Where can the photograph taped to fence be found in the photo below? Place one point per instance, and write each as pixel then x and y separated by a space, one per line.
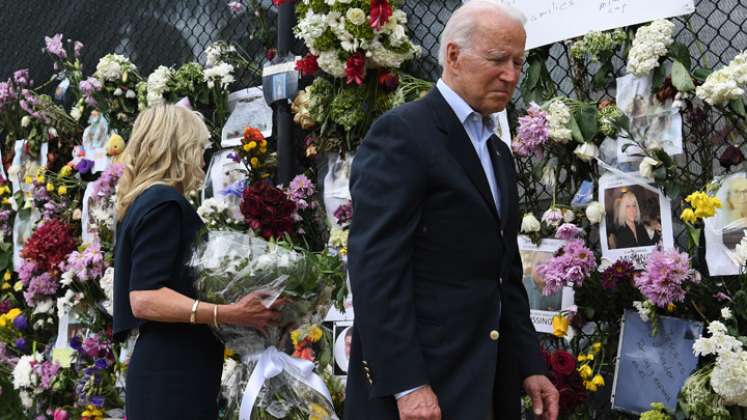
pixel 725 230
pixel 638 218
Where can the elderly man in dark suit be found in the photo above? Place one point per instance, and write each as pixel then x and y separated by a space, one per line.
pixel 442 328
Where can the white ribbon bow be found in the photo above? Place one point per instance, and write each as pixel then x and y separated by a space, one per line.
pixel 271 363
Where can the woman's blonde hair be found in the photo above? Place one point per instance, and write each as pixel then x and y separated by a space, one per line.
pixel 620 217
pixel 166 147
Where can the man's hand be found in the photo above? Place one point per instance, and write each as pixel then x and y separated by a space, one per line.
pixel 421 405
pixel 544 396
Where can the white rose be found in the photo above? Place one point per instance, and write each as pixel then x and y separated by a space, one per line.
pixel 530 224
pixel 647 167
pixel 76 113
pixel 595 212
pixel 356 16
pixel 548 176
pixel 568 215
pixel 130 94
pixel 587 151
pixel 726 313
pixel 25 121
pixel 118 92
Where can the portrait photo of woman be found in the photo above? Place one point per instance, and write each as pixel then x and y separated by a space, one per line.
pixel 635 222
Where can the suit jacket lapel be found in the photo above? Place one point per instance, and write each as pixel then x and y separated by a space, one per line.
pixel 500 158
pixel 460 146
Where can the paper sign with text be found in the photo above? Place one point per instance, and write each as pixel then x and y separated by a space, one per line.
pixel 551 21
pixel 653 368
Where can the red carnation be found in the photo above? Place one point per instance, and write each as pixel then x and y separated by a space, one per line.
pixel 270 53
pixel 355 68
pixel 562 362
pixel 381 11
pixel 388 81
pixel 307 66
pixel 267 210
pixel 49 245
pixel 277 3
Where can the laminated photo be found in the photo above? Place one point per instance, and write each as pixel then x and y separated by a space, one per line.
pixel 724 231
pixel 638 218
pixel 542 308
pixel 652 123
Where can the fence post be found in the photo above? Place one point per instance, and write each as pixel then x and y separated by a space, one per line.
pixel 285 149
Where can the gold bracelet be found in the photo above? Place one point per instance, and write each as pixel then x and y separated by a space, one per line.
pixel 215 316
pixel 193 315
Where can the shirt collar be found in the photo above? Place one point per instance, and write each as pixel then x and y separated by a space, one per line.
pixel 461 108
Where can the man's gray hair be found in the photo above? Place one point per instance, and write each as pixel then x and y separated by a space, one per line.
pixel 461 24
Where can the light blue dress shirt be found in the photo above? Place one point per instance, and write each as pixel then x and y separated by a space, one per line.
pixel 479 129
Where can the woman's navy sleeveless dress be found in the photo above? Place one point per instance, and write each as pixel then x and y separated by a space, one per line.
pixel 175 368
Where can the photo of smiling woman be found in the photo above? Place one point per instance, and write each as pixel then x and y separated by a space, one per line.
pixel 635 222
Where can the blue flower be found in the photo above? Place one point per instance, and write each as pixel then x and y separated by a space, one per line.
pixel 76 343
pixel 236 189
pixel 98 401
pixel 84 166
pixel 101 363
pixel 20 323
pixel 21 344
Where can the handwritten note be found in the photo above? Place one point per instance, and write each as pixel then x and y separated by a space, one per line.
pixel 653 368
pixel 551 21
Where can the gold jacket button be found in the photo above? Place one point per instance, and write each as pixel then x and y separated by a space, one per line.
pixel 494 335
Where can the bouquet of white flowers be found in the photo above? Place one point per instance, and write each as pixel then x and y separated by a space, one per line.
pixel 229 265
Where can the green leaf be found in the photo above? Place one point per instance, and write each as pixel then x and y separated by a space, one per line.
pixel 674 191
pixel 660 74
pixel 4 261
pixel 737 105
pixel 586 117
pixel 533 74
pixel 701 73
pixel 681 77
pixel 602 76
pixel 623 122
pixel 576 130
pixel 679 52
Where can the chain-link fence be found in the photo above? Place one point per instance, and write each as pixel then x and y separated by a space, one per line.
pixel 155 32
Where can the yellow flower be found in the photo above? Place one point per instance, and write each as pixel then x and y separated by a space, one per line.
pixel 13 314
pixel 66 171
pixel 18 286
pixel 317 412
pixel 295 335
pixel 62 190
pixel 688 215
pixel 596 347
pixel 3 321
pixel 50 186
pixel 344 251
pixel 315 333
pixel 590 356
pixel 252 145
pixel 40 179
pixel 263 143
pixel 671 307
pixel 92 411
pixel 560 325
pixel 581 358
pixel 598 380
pixel 6 200
pixel 28 179
pixel 705 205
pixel 585 371
pixel 6 286
pixel 4 190
pixel 263 150
pixel 7 276
pixel 590 386
pixel 246 147
pixel 254 162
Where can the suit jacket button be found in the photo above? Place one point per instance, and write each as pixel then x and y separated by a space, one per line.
pixel 494 335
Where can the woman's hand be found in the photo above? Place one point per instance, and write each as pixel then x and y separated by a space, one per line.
pixel 249 311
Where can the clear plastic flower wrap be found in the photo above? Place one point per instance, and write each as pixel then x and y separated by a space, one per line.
pixel 230 264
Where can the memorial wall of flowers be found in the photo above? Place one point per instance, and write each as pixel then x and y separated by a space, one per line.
pixel 599 240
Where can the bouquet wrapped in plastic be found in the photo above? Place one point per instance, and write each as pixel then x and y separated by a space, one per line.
pixel 230 264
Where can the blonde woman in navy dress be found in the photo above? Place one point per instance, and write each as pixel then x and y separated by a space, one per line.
pixel 175 368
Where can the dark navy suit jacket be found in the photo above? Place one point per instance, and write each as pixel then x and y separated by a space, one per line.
pixel 435 271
